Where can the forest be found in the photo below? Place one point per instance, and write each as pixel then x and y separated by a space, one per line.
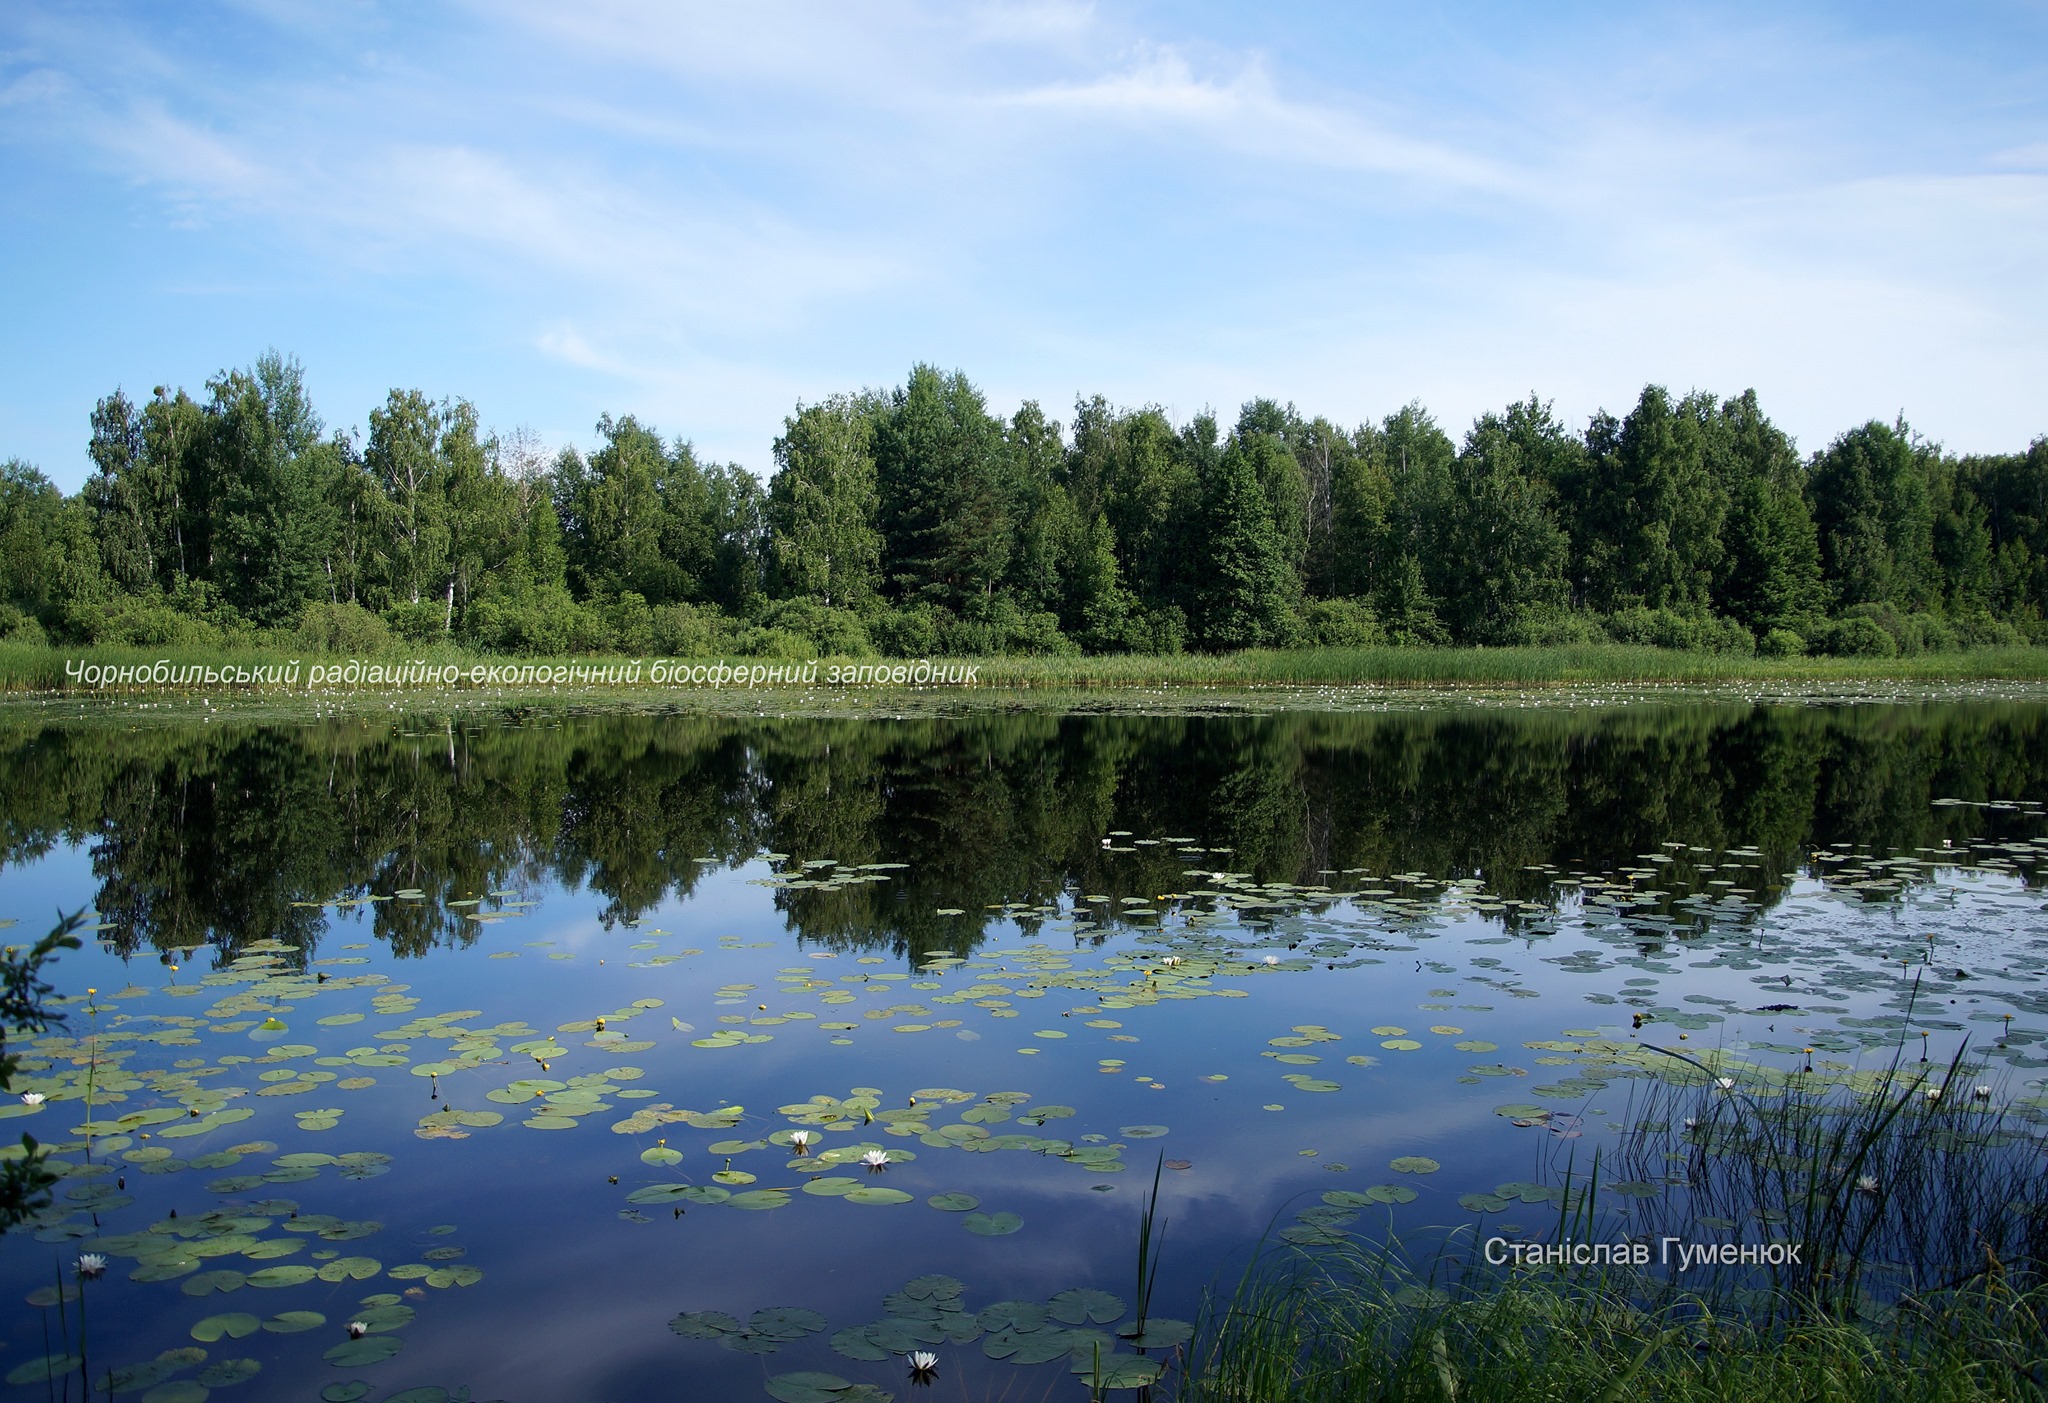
pixel 913 521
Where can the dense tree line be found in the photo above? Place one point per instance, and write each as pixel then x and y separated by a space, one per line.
pixel 915 521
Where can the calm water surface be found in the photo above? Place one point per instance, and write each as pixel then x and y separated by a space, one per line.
pixel 350 973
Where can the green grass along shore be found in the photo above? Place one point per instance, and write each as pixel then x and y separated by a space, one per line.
pixel 36 669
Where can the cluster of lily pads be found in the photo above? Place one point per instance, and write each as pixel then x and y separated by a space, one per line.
pixel 1839 983
pixel 930 1315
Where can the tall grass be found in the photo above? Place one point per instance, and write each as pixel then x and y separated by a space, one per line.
pixel 1355 1327
pixel 38 669
pixel 1923 1271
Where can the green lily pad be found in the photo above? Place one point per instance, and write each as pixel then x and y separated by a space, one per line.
pixel 758 1199
pixel 992 1224
pixel 233 1325
pixel 1414 1164
pixel 292 1322
pixel 223 1373
pixel 50 1366
pixel 704 1325
pixel 1079 1305
pixel 370 1349
pixel 877 1195
pixel 954 1202
pixel 807 1387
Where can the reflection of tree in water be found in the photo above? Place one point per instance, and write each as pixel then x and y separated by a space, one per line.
pixel 217 833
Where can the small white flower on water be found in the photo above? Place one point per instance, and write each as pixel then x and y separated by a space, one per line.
pixel 923 1361
pixel 356 1329
pixel 1934 1093
pixel 1105 842
pixel 1725 1083
pixel 1982 1093
pixel 1690 1123
pixel 1170 961
pixel 1866 1183
pixel 875 1160
pixel 91 1264
pixel 32 1098
pixel 1272 959
pixel 799 1140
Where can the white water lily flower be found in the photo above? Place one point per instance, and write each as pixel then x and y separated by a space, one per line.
pixel 1934 1093
pixel 91 1264
pixel 1725 1083
pixel 357 1329
pixel 1983 1093
pixel 1272 959
pixel 1866 1183
pixel 875 1160
pixel 923 1363
pixel 1170 961
pixel 32 1098
pixel 799 1140
pixel 1690 1123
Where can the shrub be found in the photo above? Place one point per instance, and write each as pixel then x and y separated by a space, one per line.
pixel 1666 628
pixel 1860 637
pixel 346 629
pixel 909 632
pixel 1980 630
pixel 832 632
pixel 419 621
pixel 1555 630
pixel 1781 643
pixel 1340 623
pixel 689 631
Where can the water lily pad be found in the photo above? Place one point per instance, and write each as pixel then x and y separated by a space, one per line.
pixel 370 1349
pixel 992 1224
pixel 232 1325
pixel 807 1387
pixel 704 1325
pixel 1117 1371
pixel 758 1199
pixel 877 1195
pixel 954 1202
pixel 292 1322
pixel 1414 1164
pixel 1078 1305
pixel 785 1322
pixel 223 1373
pixel 50 1366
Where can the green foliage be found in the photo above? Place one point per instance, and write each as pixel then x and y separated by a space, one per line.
pixel 347 629
pixel 1780 643
pixel 1340 623
pixel 922 524
pixel 1665 628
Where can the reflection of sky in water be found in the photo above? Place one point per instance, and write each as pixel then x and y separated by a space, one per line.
pixel 575 1299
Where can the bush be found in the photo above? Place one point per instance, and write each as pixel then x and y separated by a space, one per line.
pixel 832 632
pixel 1980 630
pixel 689 631
pixel 910 632
pixel 773 643
pixel 1666 628
pixel 1781 643
pixel 1554 630
pixel 347 629
pixel 1859 637
pixel 139 621
pixel 1340 623
pixel 420 621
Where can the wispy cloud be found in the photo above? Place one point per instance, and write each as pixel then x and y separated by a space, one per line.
pixel 706 212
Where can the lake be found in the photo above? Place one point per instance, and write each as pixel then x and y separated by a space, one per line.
pixel 552 1045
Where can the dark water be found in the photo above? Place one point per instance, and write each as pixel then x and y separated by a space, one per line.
pixel 1443 921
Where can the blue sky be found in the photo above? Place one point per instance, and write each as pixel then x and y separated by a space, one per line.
pixel 702 214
